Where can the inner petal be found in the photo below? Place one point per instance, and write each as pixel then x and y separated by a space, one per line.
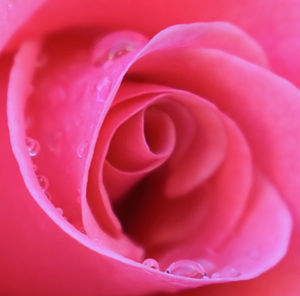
pixel 122 117
pixel 137 147
pixel 138 144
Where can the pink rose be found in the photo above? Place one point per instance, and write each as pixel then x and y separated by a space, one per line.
pixel 150 147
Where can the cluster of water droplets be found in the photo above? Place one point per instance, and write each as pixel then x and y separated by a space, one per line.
pixel 106 60
pixel 185 268
pixel 33 147
pixel 192 269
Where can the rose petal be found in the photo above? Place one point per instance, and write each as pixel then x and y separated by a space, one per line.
pixel 249 250
pixel 268 116
pixel 277 31
pixel 63 187
pixel 216 204
pixel 43 259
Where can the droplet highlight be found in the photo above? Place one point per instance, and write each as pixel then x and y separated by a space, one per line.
pixel 43 181
pixel 151 263
pixel 187 268
pixel 33 146
pixel 119 51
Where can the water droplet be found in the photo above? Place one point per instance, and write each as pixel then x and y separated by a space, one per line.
pixel 151 263
pixel 81 150
pixel 60 211
pixel 33 146
pixel 187 268
pixel 103 88
pixel 119 51
pixel 82 230
pixel 43 182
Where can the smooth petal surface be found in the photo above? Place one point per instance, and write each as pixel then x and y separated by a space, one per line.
pixel 268 113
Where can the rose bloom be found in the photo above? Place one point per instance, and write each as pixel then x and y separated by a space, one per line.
pixel 150 147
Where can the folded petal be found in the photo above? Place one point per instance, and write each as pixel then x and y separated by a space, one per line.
pixel 277 32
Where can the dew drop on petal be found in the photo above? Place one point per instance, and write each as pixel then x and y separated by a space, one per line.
pixel 33 146
pixel 82 230
pixel 187 268
pixel 43 181
pixel 119 51
pixel 103 89
pixel 151 263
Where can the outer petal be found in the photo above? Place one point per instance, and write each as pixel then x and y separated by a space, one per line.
pixel 274 23
pixel 281 280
